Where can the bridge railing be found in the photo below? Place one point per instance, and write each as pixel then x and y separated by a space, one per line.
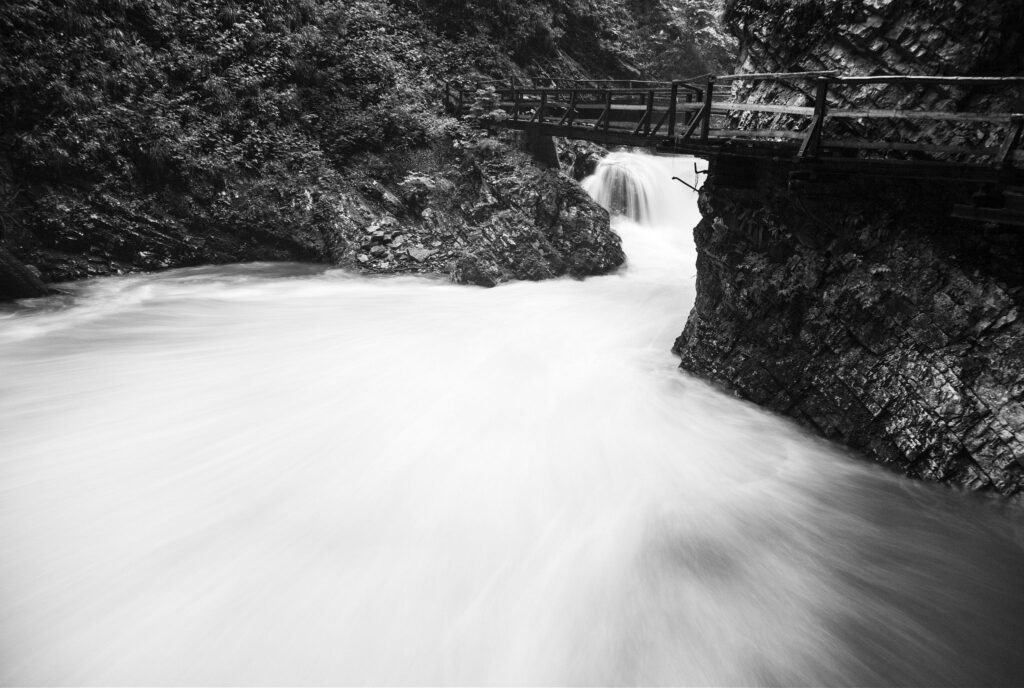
pixel 811 113
pixel 571 82
pixel 612 107
pixel 831 118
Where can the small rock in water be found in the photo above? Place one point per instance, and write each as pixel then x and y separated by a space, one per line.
pixel 378 251
pixel 420 254
pixel 363 258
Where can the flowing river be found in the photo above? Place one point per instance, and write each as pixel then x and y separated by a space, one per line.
pixel 286 474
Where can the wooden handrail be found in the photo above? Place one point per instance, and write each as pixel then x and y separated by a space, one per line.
pixel 779 75
pixel 648 113
pixel 912 79
pixel 833 75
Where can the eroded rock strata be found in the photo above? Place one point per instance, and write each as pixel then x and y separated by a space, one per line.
pixel 872 317
pixel 862 309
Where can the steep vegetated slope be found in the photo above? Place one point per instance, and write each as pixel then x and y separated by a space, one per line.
pixel 865 310
pixel 141 134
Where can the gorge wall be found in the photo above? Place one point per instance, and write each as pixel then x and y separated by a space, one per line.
pixel 864 310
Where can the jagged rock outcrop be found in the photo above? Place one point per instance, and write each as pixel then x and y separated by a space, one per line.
pixel 865 311
pixel 864 316
pixel 485 214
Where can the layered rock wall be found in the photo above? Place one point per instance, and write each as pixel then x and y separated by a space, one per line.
pixel 864 310
pixel 871 317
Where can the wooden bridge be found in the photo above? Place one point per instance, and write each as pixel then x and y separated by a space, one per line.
pixel 807 121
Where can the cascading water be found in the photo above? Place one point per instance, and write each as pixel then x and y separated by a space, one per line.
pixel 289 475
pixel 626 185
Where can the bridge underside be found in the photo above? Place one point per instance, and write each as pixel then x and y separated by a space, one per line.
pixel 831 159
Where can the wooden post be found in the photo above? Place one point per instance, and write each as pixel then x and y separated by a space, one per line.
pixel 672 110
pixel 607 112
pixel 705 125
pixel 515 103
pixel 543 106
pixel 649 114
pixel 1013 137
pixel 812 143
pixel 571 115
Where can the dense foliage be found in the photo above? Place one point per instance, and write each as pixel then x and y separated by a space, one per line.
pixel 198 97
pixel 246 116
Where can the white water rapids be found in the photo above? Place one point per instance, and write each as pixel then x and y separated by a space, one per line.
pixel 269 474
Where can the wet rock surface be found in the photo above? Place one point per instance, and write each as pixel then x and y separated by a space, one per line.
pixel 484 213
pixel 872 317
pixel 470 206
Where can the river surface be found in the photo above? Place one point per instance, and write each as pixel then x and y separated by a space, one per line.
pixel 281 474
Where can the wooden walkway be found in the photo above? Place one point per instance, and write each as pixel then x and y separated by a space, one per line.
pixel 809 122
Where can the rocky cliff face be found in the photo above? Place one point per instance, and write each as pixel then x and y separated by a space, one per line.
pixel 481 211
pixel 883 36
pixel 865 311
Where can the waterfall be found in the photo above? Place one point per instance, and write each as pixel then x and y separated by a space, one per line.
pixel 286 474
pixel 640 187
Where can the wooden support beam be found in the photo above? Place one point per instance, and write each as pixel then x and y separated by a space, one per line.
pixel 607 111
pixel 638 129
pixel 664 117
pixel 696 121
pixel 649 115
pixel 709 96
pixel 812 144
pixel 643 126
pixel 570 113
pixel 1004 158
